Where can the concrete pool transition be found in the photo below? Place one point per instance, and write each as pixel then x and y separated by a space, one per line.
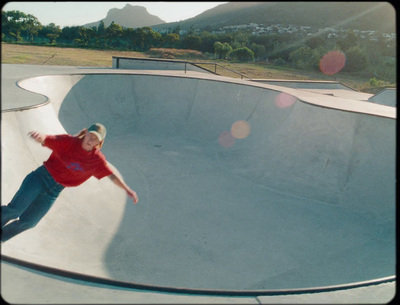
pixel 246 189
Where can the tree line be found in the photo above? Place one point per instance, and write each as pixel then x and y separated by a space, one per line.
pixel 301 52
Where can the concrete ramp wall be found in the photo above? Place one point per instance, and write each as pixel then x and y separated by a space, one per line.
pixel 385 97
pixel 306 199
pixel 154 64
pixel 317 153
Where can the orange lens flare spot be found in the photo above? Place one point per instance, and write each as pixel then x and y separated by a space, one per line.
pixel 240 129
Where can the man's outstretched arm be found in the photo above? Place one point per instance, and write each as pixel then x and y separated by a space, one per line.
pixel 119 182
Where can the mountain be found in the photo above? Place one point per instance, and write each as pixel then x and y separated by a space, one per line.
pixel 378 16
pixel 130 17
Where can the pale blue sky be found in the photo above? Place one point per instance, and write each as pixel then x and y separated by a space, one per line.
pixel 79 13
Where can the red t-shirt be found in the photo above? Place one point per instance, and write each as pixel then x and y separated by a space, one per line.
pixel 71 165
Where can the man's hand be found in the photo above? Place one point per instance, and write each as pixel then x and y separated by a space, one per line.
pixel 120 182
pixel 38 137
pixel 132 194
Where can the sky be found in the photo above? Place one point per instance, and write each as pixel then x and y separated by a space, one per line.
pixel 79 13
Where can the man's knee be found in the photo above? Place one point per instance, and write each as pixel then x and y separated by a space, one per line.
pixel 26 224
pixel 7 214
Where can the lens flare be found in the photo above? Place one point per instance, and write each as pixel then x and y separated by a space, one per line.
pixel 240 129
pixel 332 62
pixel 284 100
pixel 226 139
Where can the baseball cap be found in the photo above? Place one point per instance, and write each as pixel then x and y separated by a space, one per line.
pixel 99 130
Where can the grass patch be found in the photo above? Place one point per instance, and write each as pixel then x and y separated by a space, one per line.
pixel 174 54
pixel 43 55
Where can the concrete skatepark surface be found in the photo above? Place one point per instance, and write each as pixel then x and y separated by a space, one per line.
pixel 306 199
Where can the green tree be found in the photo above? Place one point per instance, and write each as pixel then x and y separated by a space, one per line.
pixel 316 56
pixel 243 54
pixel 127 37
pixel 171 40
pixel 259 51
pixel 350 40
pixel 356 59
pixel 113 34
pixel 68 33
pixel 51 31
pixel 101 29
pixel 241 38
pixel 32 26
pixel 151 38
pixel 13 23
pixel 222 50
pixel 265 40
pixel 145 38
pixel 224 37
pixel 207 42
pixel 191 42
pixel 177 30
pixel 83 37
pixel 301 58
pixel 306 58
pixel 191 30
pixel 113 30
pixel 314 42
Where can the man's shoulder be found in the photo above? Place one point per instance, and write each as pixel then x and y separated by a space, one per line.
pixel 99 154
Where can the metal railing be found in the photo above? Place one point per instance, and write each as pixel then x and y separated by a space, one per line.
pixel 215 68
pixel 199 65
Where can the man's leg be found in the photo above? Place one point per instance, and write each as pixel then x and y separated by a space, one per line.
pixel 32 215
pixel 30 188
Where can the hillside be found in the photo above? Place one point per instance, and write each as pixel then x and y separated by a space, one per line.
pixel 130 16
pixel 378 16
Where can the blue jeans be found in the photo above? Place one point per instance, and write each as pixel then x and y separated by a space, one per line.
pixel 32 201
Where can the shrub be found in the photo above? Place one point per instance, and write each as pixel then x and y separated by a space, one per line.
pixel 356 59
pixel 222 50
pixel 374 82
pixel 175 53
pixel 301 58
pixel 243 54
